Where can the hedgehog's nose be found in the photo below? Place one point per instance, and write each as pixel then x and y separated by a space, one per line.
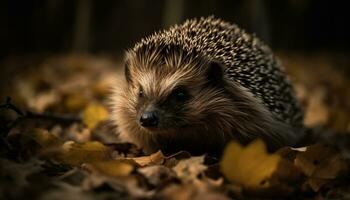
pixel 149 119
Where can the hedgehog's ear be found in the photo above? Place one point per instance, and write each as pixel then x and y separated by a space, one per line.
pixel 215 73
pixel 127 63
pixel 127 71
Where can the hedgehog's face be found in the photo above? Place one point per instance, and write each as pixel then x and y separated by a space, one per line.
pixel 157 113
pixel 172 95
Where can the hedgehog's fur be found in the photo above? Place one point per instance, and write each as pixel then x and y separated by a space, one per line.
pixel 237 90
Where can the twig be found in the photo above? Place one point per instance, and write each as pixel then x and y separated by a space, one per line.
pixel 10 106
pixel 31 115
pixel 57 118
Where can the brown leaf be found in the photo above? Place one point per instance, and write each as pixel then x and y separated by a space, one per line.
pixel 192 191
pixel 33 141
pixel 153 159
pixel 174 159
pixel 320 162
pixel 158 175
pixel 44 138
pixel 189 169
pixel 316 111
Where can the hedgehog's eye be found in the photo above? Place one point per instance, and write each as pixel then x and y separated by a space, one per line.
pixel 180 94
pixel 141 94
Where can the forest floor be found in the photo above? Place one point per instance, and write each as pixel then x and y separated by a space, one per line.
pixel 57 142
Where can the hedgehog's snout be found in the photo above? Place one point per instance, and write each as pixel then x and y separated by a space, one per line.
pixel 149 119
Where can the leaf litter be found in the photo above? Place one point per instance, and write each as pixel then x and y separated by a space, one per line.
pixel 57 142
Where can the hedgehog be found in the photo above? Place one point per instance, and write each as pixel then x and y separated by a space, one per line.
pixel 198 85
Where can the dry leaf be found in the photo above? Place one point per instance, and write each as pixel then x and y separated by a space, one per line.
pixel 189 169
pixel 75 101
pixel 76 154
pixel 250 166
pixel 286 179
pixel 67 192
pixel 94 114
pixel 316 111
pixel 78 133
pixel 158 175
pixel 44 138
pixel 320 162
pixel 153 159
pixel 43 100
pixel 114 168
pixel 192 191
pixel 33 141
pixel 172 160
pixel 17 173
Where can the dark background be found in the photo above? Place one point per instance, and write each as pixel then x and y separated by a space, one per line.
pixel 91 26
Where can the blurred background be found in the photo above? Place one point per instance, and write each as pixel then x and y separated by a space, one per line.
pixel 60 55
pixel 59 60
pixel 91 26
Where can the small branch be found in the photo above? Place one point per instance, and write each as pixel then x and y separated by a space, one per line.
pixel 40 116
pixel 57 118
pixel 10 106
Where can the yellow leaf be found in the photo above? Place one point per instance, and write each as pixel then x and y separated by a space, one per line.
pixel 44 138
pixel 102 87
pixel 250 166
pixel 115 168
pixel 75 102
pixel 94 114
pixel 76 154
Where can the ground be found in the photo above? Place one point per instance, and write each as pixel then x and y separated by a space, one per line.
pixel 57 141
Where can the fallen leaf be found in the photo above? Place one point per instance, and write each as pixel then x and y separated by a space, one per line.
pixel 189 169
pixel 34 141
pixel 158 175
pixel 125 187
pixel 250 166
pixel 94 114
pixel 113 168
pixel 75 102
pixel 285 180
pixel 316 111
pixel 192 191
pixel 15 174
pixel 47 142
pixel 153 159
pixel 102 87
pixel 172 160
pixel 43 100
pixel 67 192
pixel 74 176
pixel 78 133
pixel 75 154
pixel 44 138
pixel 320 162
